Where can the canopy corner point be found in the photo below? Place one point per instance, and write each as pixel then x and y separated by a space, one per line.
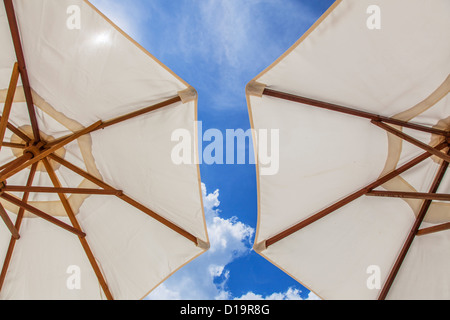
pixel 260 247
pixel 188 95
pixel 255 89
pixel 203 244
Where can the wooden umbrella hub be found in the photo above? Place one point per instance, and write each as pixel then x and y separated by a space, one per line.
pixel 34 148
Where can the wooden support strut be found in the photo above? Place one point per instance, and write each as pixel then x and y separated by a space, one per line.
pixel 351 197
pixel 126 199
pixel 413 233
pixel 9 224
pixel 412 140
pixel 17 132
pixel 76 225
pixel 18 224
pixel 41 214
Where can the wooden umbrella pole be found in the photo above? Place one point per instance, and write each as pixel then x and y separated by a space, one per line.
pixel 9 101
pixel 18 224
pixel 76 225
pixel 413 233
pixel 351 197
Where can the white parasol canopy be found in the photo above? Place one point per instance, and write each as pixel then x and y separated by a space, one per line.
pixel 360 206
pixel 93 205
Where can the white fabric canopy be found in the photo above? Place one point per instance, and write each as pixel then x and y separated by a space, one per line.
pixel 79 76
pixel 400 71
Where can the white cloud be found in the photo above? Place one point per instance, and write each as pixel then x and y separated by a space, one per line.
pixel 206 277
pixel 290 294
pixel 312 296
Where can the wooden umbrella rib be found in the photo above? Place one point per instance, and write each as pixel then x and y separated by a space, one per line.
pixel 61 190
pixel 410 195
pixel 109 123
pixel 350 198
pixel 126 199
pixel 413 233
pixel 10 12
pixel 14 164
pixel 13 241
pixel 412 140
pixel 138 113
pixel 41 214
pixel 81 172
pixel 158 218
pixel 350 111
pixel 13 145
pixel 6 165
pixel 434 229
pixel 9 101
pixel 17 132
pixel 76 225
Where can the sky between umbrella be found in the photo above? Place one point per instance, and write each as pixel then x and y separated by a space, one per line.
pixel 218 47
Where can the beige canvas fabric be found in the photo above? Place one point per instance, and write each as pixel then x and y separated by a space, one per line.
pixel 78 77
pixel 399 71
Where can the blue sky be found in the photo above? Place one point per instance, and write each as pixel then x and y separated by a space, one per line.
pixel 218 46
